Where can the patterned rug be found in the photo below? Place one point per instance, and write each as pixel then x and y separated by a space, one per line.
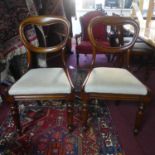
pixel 45 131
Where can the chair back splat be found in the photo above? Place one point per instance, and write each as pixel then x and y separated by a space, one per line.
pixel 109 83
pixel 43 83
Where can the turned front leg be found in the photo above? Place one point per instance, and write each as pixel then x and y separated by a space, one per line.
pixel 77 59
pixel 15 113
pixel 139 118
pixel 85 112
pixel 140 114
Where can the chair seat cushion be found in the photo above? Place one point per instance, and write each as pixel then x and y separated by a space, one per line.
pixel 85 47
pixel 114 81
pixel 42 81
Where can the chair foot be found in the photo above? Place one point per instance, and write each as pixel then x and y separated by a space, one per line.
pixel 135 131
pixel 71 128
pixel 85 127
pixel 19 132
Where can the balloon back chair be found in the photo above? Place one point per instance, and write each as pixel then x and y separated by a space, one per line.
pixel 83 45
pixel 109 83
pixel 42 83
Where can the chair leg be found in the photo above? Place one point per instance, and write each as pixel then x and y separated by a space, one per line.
pixel 139 118
pixel 140 114
pixel 109 57
pixel 85 113
pixel 77 59
pixel 70 114
pixel 15 113
pixel 117 102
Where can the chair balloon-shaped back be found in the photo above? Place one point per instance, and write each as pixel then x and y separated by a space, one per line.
pixel 43 83
pixel 110 83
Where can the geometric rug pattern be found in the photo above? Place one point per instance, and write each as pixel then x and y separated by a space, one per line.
pixel 45 131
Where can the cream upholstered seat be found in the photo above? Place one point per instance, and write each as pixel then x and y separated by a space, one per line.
pixel 42 81
pixel 114 81
pixel 109 83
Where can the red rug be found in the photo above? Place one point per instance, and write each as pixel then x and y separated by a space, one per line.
pixel 45 132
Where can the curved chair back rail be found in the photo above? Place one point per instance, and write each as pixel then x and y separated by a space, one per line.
pixel 44 21
pixel 112 21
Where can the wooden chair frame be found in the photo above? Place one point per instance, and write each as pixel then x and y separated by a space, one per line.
pixel 12 100
pixel 143 99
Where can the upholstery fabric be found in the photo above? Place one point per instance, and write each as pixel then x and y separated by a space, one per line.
pixel 114 81
pixel 99 29
pixel 38 81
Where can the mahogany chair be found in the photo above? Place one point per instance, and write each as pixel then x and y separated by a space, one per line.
pixel 109 83
pixel 83 45
pixel 43 83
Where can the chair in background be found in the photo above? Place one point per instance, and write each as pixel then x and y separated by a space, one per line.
pixel 140 50
pixel 141 55
pixel 115 84
pixel 43 83
pixel 83 45
pixel 144 54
